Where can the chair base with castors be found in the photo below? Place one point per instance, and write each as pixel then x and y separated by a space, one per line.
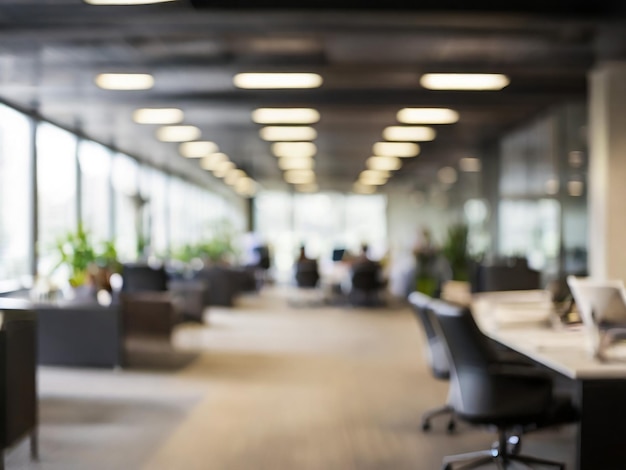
pixel 442 410
pixel 502 453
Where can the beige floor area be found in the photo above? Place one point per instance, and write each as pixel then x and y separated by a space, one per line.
pixel 262 386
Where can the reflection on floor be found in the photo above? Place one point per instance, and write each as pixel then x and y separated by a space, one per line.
pixel 267 387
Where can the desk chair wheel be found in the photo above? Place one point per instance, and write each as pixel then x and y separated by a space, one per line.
pixel 426 425
pixel 515 444
pixel 451 426
pixel 447 466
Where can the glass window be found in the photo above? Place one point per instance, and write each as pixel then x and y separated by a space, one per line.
pixel 95 169
pixel 366 222
pixel 160 213
pixel 15 194
pixel 56 187
pixel 125 180
pixel 530 228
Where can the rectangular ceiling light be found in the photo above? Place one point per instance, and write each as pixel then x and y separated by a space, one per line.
pixel 299 176
pixel 297 133
pixel 178 133
pixel 296 163
pixel 409 133
pixel 197 149
pixel 211 162
pixel 427 116
pixel 158 116
pixel 125 81
pixel 362 188
pixel 285 116
pixel 396 149
pixel 464 81
pixel 259 81
pixel 383 163
pixel 222 168
pixel 307 188
pixel 371 177
pixel 294 149
pixel 233 176
pixel 245 186
pixel 469 164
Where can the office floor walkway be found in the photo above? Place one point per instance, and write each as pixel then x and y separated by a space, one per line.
pixel 262 387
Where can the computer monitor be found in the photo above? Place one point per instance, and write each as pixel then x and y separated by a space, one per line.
pixel 338 254
pixel 601 303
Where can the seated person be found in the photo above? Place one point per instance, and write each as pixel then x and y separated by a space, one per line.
pixel 366 279
pixel 307 274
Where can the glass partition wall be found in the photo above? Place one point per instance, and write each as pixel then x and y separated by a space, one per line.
pixel 16 195
pixel 51 181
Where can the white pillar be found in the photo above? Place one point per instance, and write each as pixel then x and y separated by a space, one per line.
pixel 607 171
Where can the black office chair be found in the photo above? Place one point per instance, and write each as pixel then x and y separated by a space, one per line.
pixel 485 391
pixel 515 275
pixel 366 284
pixel 436 354
pixel 307 275
pixel 141 278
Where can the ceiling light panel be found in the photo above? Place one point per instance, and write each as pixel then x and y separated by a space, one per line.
pixel 464 81
pixel 299 176
pixel 447 175
pixel 178 133
pixel 245 186
pixel 233 176
pixel 211 162
pixel 158 116
pixel 290 163
pixel 361 188
pixel 125 81
pixel 261 81
pixel 197 149
pixel 307 188
pixel 370 177
pixel 396 149
pixel 409 133
pixel 470 164
pixel 285 116
pixel 427 116
pixel 290 133
pixel 383 163
pixel 222 168
pixel 294 149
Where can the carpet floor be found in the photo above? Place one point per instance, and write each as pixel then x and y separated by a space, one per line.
pixel 264 386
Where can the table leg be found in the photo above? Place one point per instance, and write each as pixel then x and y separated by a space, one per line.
pixel 602 425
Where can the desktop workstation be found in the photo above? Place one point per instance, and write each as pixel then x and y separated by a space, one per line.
pixel 599 387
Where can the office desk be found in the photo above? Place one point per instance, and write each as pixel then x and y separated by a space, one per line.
pixel 600 388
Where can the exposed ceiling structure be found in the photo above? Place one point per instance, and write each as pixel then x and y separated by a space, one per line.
pixel 370 61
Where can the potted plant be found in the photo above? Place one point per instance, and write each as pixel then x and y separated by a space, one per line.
pixel 76 251
pixel 455 251
pixel 89 268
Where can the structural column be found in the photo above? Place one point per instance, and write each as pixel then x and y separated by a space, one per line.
pixel 607 171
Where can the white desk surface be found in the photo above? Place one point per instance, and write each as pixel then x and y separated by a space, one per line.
pixel 564 349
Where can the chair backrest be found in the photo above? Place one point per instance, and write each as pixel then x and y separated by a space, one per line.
pixel 518 276
pixel 470 355
pixel 307 274
pixel 435 350
pixel 141 278
pixel 366 276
